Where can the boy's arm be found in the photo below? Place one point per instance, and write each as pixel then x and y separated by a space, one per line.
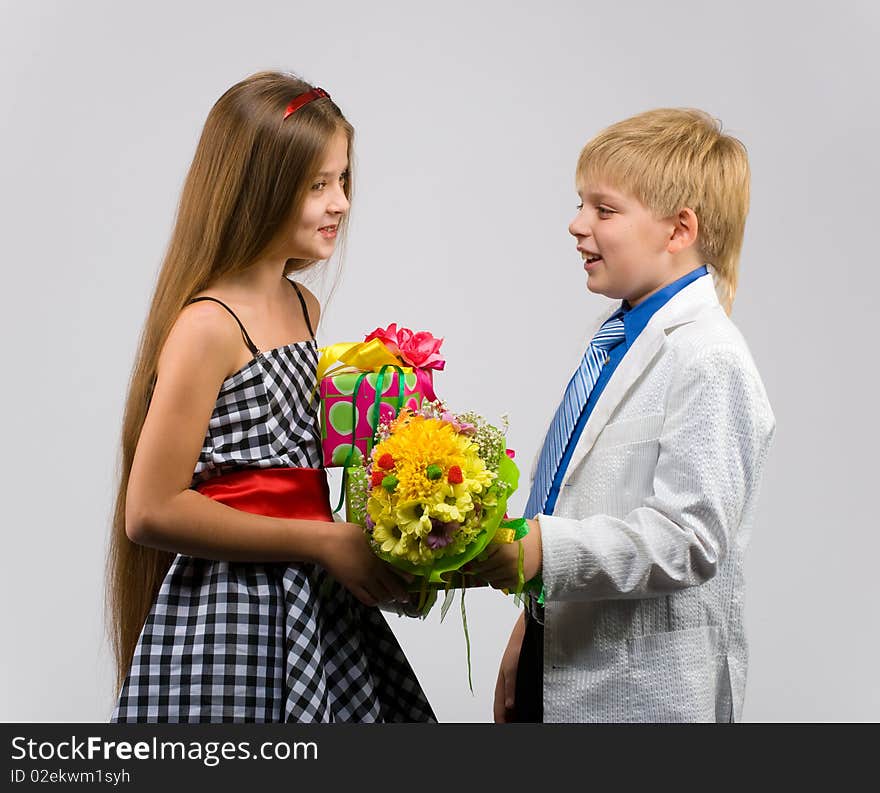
pixel 715 436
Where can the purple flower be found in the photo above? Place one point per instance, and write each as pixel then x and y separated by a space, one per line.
pixel 441 533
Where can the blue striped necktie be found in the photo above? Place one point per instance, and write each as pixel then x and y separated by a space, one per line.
pixel 569 411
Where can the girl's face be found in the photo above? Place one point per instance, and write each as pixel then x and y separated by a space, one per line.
pixel 313 234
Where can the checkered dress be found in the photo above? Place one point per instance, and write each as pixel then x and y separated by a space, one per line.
pixel 245 642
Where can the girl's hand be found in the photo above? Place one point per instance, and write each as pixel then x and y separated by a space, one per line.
pixel 498 563
pixel 505 688
pixel 345 554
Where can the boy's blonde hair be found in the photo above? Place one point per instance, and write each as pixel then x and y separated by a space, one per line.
pixel 671 158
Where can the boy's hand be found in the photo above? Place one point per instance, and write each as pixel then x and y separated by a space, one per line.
pixel 505 687
pixel 498 563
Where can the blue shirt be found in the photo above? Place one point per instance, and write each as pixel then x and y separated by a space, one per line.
pixel 634 322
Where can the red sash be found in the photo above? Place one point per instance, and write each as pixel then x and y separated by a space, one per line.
pixel 300 493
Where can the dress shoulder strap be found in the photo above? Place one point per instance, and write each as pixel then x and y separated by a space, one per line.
pixel 244 334
pixel 302 301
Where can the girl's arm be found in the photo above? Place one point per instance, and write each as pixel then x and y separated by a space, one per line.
pixel 203 348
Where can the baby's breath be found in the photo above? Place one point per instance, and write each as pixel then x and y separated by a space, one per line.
pixel 490 440
pixel 356 493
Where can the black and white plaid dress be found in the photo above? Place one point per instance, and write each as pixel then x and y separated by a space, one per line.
pixel 245 642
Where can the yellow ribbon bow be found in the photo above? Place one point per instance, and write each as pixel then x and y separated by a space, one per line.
pixel 363 356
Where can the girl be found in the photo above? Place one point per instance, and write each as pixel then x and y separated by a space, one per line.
pixel 234 596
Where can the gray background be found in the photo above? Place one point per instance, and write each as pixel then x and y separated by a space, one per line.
pixel 469 119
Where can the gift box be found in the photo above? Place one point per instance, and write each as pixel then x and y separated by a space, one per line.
pixel 364 383
pixel 351 410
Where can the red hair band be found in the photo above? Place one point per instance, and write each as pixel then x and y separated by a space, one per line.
pixel 304 99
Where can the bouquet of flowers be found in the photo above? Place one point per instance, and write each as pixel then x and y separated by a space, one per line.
pixel 434 491
pixel 433 494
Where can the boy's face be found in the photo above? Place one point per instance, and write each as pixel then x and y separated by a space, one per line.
pixel 626 249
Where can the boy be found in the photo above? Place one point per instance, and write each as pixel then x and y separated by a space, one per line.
pixel 645 488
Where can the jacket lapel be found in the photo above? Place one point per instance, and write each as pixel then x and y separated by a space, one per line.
pixel 681 309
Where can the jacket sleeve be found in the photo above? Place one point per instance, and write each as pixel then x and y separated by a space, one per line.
pixel 714 439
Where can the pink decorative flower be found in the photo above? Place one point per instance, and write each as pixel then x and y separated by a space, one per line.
pixel 459 426
pixel 388 337
pixel 419 350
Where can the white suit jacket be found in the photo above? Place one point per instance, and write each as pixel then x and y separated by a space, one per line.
pixel 643 557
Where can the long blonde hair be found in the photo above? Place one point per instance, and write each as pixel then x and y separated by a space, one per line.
pixel 672 158
pixel 250 173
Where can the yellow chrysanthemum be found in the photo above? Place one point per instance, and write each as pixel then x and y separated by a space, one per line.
pixel 416 444
pixel 420 452
pixel 455 503
pixel 388 537
pixel 412 518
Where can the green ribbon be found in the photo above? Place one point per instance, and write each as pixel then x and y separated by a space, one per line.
pixel 467 640
pixel 520 528
pixel 447 599
pixel 401 384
